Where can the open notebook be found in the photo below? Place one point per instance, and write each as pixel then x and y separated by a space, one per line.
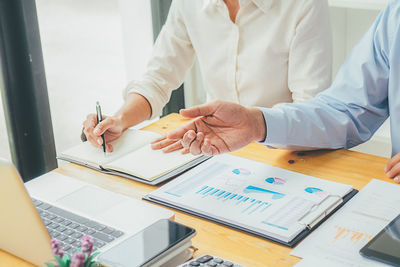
pixel 133 158
pixel 277 204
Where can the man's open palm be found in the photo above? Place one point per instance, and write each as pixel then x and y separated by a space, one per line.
pixel 220 127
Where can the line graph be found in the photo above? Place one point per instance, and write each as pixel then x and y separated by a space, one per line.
pixel 350 235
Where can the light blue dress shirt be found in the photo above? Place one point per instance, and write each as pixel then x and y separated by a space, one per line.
pixel 365 92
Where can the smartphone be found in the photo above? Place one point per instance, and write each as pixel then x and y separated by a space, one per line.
pixel 152 242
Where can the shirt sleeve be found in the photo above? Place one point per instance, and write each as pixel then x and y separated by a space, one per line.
pixel 352 109
pixel 310 55
pixel 172 56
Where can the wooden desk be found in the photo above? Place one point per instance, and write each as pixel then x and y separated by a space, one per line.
pixel 340 165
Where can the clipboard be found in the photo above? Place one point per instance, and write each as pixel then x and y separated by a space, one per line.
pixel 309 225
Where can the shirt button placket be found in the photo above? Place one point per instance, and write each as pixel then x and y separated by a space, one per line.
pixel 235 51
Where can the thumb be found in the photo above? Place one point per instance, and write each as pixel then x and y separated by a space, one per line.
pixel 201 110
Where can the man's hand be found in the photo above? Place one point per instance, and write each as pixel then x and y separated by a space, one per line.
pixel 220 127
pixel 110 126
pixel 168 145
pixel 392 169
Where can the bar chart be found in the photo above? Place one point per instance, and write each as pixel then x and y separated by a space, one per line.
pixel 246 204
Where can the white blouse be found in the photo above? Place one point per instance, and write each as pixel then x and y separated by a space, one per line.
pixel 276 51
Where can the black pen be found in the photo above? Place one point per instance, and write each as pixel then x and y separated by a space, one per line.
pixel 99 119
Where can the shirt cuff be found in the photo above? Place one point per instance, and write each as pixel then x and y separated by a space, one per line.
pixel 276 128
pixel 153 96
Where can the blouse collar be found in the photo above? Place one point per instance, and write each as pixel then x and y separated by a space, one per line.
pixel 264 5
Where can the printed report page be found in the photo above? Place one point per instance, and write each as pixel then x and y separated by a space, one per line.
pixel 253 195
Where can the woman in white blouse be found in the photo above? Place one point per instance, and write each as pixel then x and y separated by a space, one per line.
pixel 251 52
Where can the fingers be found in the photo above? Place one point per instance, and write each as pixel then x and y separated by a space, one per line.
pixel 185 150
pixel 89 124
pixel 103 126
pixel 158 140
pixel 394 171
pixel 207 149
pixel 195 146
pixel 93 131
pixel 188 138
pixel 201 110
pixel 168 145
pixel 392 162
pixel 175 146
pixel 181 131
pixel 109 148
pixel 162 143
pixel 392 168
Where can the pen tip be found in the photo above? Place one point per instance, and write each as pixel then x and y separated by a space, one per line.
pixel 97 103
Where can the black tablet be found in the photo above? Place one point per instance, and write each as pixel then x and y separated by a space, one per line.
pixel 385 246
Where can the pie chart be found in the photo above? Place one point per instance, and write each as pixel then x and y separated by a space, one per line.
pixel 275 180
pixel 241 171
pixel 314 190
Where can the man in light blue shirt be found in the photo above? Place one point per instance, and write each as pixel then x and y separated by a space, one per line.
pixel 365 92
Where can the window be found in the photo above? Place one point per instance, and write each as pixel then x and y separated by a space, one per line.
pixel 84 60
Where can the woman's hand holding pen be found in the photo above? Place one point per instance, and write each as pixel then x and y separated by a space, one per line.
pixel 110 126
pixel 135 109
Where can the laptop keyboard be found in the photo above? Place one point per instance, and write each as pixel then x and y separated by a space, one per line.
pixel 68 228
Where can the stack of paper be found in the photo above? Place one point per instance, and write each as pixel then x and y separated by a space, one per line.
pixel 338 241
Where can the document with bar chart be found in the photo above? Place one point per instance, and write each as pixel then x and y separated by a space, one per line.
pixel 254 197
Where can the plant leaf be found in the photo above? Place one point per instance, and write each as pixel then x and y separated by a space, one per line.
pixel 60 261
pixel 90 259
pixel 87 262
pixel 66 257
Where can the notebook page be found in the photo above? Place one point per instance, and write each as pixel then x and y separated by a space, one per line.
pixel 129 141
pixel 149 164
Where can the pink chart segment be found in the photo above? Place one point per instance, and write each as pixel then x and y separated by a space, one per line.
pixel 275 180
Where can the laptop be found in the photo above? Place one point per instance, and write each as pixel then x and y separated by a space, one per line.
pixel 58 206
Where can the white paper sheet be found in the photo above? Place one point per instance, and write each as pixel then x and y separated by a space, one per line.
pixel 252 195
pixel 338 240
